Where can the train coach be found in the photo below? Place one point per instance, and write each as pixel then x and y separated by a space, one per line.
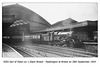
pixel 64 40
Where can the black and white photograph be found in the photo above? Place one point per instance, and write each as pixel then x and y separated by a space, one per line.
pixel 38 30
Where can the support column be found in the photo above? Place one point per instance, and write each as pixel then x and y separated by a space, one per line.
pixel 52 38
pixel 23 37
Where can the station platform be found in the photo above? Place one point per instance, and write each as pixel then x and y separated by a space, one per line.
pixel 9 52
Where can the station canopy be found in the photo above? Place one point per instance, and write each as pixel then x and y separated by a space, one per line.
pixel 69 24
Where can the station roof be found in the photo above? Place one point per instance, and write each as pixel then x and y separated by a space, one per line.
pixel 38 23
pixel 65 22
pixel 22 13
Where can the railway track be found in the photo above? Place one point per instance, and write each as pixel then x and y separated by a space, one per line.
pixel 34 53
pixel 74 50
pixel 50 51
pixel 24 53
pixel 27 52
